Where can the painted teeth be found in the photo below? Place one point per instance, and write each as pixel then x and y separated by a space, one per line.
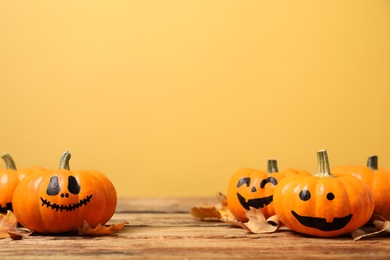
pixel 69 207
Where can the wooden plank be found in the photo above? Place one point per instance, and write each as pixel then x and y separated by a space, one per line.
pixel 163 204
pixel 161 233
pixel 218 242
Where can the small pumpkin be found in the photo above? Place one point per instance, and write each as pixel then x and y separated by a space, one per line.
pixel 56 201
pixel 323 205
pixel 377 178
pixel 253 188
pixel 9 179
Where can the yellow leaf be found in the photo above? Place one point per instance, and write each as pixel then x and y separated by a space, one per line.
pixel 209 212
pixel 258 224
pixel 100 230
pixel 206 212
pixel 8 223
pixel 382 226
pixel 256 221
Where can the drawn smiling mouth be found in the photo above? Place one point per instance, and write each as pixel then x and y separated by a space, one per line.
pixel 255 203
pixel 321 224
pixel 69 207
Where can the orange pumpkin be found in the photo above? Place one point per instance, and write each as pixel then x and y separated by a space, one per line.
pixel 378 179
pixel 253 188
pixel 56 201
pixel 323 205
pixel 9 179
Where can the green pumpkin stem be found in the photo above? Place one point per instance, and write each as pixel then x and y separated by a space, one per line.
pixel 272 166
pixel 323 164
pixel 372 162
pixel 9 162
pixel 64 161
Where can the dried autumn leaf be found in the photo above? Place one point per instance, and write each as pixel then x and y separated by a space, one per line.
pixel 100 230
pixel 381 225
pixel 19 234
pixel 225 211
pixel 257 223
pixel 8 223
pixel 208 212
pixel 233 222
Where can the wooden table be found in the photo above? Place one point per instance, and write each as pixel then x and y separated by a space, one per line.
pixel 161 228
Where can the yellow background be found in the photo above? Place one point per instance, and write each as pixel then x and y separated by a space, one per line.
pixel 169 98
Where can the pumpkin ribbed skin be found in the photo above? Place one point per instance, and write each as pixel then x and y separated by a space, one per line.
pixel 323 205
pixel 56 201
pixel 377 179
pixel 9 180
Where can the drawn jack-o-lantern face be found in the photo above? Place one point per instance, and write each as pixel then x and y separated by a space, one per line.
pixel 56 201
pixel 64 198
pixel 252 188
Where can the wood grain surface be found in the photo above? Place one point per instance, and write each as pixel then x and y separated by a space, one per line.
pixel 162 228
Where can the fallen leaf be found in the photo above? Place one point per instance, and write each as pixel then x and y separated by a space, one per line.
pixel 19 234
pixel 381 226
pixel 100 230
pixel 206 212
pixel 209 212
pixel 225 211
pixel 8 223
pixel 234 222
pixel 257 223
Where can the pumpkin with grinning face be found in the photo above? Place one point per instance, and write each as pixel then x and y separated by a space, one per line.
pixel 253 188
pixel 56 201
pixel 323 205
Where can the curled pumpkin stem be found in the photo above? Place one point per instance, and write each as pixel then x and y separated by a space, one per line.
pixel 9 162
pixel 323 164
pixel 64 161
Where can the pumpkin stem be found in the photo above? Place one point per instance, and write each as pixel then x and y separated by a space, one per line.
pixel 372 162
pixel 9 162
pixel 323 164
pixel 272 166
pixel 64 161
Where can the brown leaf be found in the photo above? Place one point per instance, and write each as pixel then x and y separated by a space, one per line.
pixel 209 212
pixel 19 234
pixel 100 230
pixel 206 212
pixel 225 211
pixel 257 223
pixel 8 223
pixel 234 222
pixel 381 226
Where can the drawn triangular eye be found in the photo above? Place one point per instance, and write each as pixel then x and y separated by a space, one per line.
pixel 73 185
pixel 54 187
